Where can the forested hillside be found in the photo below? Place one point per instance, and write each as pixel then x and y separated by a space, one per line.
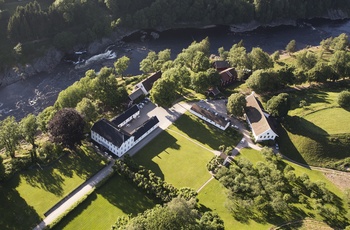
pixel 26 26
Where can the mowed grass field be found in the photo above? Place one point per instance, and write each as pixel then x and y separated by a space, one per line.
pixel 213 195
pixel 29 194
pixel 117 197
pixel 332 120
pixel 180 155
pixel 318 133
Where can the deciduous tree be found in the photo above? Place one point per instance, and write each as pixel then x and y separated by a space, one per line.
pixel 67 127
pixel 29 128
pixel 9 135
pixel 236 104
pixel 279 105
pixel 121 65
pixel 163 92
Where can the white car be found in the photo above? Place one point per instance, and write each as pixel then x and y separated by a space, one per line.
pixel 243 140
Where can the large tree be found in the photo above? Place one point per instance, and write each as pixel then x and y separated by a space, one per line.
pixel 278 106
pixel 67 127
pixel 121 65
pixel 260 59
pixel 88 109
pixel 163 92
pixel 9 135
pixel 263 80
pixel 340 63
pixel 236 104
pixel 29 127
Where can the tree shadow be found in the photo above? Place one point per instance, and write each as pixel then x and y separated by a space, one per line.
pixel 310 95
pixel 300 126
pixel 287 147
pixel 79 163
pixel 211 135
pixel 16 213
pixel 125 195
pixel 76 211
pixel 154 149
pixel 47 179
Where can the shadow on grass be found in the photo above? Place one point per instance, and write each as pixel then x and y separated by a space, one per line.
pixel 203 133
pixel 122 194
pixel 287 146
pixel 117 191
pixel 76 212
pixel 300 126
pixel 16 214
pixel 154 149
pixel 47 179
pixel 310 95
pixel 84 162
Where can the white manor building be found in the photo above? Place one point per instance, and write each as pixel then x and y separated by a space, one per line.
pixel 116 140
pixel 259 121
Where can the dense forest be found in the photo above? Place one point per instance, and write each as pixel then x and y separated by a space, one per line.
pixel 30 28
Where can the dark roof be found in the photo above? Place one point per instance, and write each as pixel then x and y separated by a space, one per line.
pixel 256 116
pixel 136 94
pixel 209 114
pixel 219 64
pixel 122 117
pixel 228 74
pixel 145 127
pixel 148 82
pixel 214 90
pixel 107 130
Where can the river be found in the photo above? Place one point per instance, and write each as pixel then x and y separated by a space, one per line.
pixel 34 94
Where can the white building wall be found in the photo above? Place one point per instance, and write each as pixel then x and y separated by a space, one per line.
pixel 140 85
pixel 126 146
pixel 210 121
pixel 265 136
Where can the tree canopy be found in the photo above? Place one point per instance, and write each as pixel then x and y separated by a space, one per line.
pixel 344 99
pixel 67 127
pixel 236 104
pixel 278 106
pixel 9 135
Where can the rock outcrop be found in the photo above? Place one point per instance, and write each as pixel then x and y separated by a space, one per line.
pixel 43 64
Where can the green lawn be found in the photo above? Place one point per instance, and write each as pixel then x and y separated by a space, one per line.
pixel 101 209
pixel 210 136
pixel 332 120
pixel 36 191
pixel 252 155
pixel 176 159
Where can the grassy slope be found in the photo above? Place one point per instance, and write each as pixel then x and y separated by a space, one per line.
pixel 213 195
pixel 36 191
pixel 101 209
pixel 318 133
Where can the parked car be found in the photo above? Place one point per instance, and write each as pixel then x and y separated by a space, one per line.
pixel 243 140
pixel 234 126
pixel 277 147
